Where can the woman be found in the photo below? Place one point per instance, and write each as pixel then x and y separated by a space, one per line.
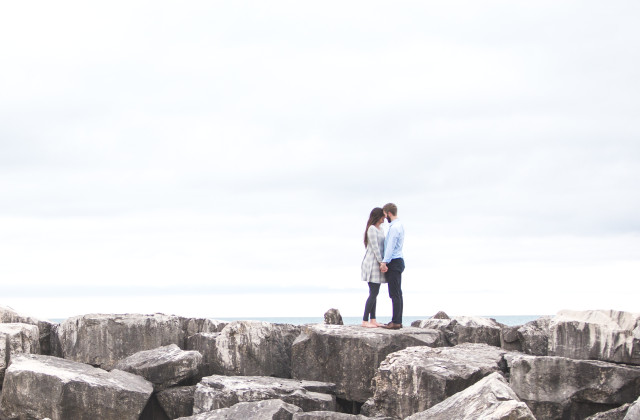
pixel 374 242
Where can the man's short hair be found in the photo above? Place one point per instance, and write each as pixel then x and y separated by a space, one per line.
pixel 391 208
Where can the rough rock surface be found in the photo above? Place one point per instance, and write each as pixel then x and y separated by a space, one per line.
pixel 329 415
pixel 192 326
pixel 558 387
pixel 16 338
pixel 164 366
pixel 8 315
pixel 633 413
pixel 615 414
pixel 38 386
pixel 218 391
pixel 441 315
pixel 254 348
pixel 177 401
pixel 489 398
pixel 205 344
pixel 259 410
pixel 333 317
pixel 348 356
pixel 417 378
pixel 104 339
pixel 465 329
pixel 611 336
pixel 530 338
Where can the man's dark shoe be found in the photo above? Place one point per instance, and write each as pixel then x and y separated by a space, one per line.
pixel 392 326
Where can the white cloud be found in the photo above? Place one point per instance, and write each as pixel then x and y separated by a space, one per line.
pixel 150 149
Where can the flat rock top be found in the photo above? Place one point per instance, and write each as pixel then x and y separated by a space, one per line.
pixel 70 371
pixel 550 360
pixel 357 331
pixel 616 320
pixel 254 383
pixel 465 321
pixel 15 327
pixel 120 317
pixel 449 359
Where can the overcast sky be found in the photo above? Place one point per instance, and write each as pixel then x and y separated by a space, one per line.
pixel 221 158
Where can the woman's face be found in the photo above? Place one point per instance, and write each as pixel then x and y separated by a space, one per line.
pixel 381 220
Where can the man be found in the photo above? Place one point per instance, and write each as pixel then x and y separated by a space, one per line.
pixel 393 263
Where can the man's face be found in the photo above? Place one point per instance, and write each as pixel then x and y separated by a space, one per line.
pixel 386 215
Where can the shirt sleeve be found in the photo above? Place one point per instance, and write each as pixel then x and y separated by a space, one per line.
pixel 390 244
pixel 373 242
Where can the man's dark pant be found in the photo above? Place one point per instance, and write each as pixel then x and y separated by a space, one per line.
pixel 394 279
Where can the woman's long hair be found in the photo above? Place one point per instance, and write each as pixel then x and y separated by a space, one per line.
pixel 375 215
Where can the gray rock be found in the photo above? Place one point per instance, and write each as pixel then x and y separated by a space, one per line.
pixel 534 337
pixel 465 329
pixel 254 348
pixel 349 355
pixel 633 413
pixel 441 315
pixel 615 414
pixel 177 401
pixel 104 339
pixel 329 415
pixel 16 338
pixel 417 378
pixel 558 387
pixel 333 317
pixel 530 338
pixel 218 391
pixel 38 386
pixel 611 336
pixel 205 344
pixel 509 339
pixel 259 410
pixel 163 367
pixel 8 315
pixel 489 398
pixel 192 326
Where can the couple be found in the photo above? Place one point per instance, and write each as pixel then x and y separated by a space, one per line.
pixel 383 263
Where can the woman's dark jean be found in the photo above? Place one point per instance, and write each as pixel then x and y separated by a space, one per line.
pixel 370 306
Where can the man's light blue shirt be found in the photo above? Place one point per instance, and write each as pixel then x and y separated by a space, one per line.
pixel 393 242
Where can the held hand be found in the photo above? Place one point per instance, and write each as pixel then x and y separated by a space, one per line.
pixel 383 267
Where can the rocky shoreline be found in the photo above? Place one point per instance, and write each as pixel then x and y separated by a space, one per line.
pixel 575 365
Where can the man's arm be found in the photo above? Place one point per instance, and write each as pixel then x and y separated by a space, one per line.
pixel 390 244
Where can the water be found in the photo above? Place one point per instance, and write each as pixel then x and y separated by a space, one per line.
pixel 510 320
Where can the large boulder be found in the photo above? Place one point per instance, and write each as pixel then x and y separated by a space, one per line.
pixel 38 386
pixel 254 348
pixel 614 414
pixel 348 356
pixel 633 413
pixel 163 367
pixel 611 336
pixel 16 338
pixel 205 344
pixel 416 378
pixel 192 326
pixel 333 317
pixel 489 398
pixel 177 401
pixel 465 329
pixel 258 410
pixel 558 387
pixel 45 328
pixel 534 337
pixel 218 391
pixel 103 339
